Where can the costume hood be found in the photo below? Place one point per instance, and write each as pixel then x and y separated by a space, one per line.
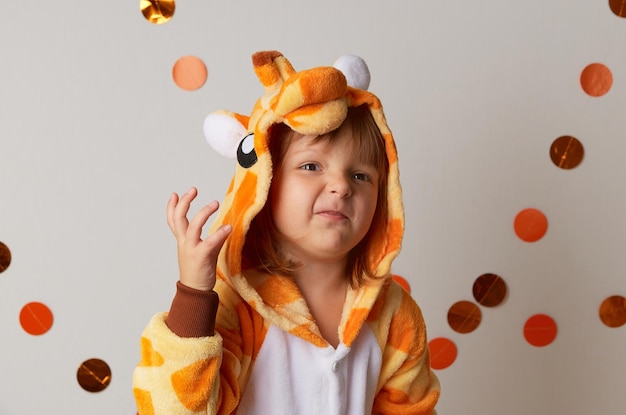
pixel 312 102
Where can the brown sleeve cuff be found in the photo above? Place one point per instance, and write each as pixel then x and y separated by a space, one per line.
pixel 193 312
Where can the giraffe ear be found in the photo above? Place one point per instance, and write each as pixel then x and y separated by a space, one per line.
pixel 355 70
pixel 224 130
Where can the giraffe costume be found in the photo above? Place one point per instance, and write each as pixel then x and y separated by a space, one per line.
pixel 267 355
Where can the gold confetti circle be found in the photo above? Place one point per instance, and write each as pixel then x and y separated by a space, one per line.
pixel 464 317
pixel 94 375
pixel 158 11
pixel 566 152
pixel 5 257
pixel 489 290
pixel 618 7
pixel 613 311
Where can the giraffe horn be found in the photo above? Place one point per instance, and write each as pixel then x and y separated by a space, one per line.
pixel 272 69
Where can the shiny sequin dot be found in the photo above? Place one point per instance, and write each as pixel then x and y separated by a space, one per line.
pixel 189 73
pixel 36 318
pixel 540 330
pixel 5 257
pixel 94 375
pixel 158 11
pixel 530 225
pixel 596 79
pixel 464 317
pixel 443 353
pixel 566 152
pixel 489 290
pixel 403 282
pixel 613 311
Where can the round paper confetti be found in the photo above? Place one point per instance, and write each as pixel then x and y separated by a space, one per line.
pixel 540 330
pixel 443 353
pixel 94 375
pixel 566 152
pixel 36 318
pixel 403 282
pixel 613 311
pixel 464 317
pixel 189 73
pixel 489 290
pixel 5 257
pixel 596 79
pixel 157 11
pixel 530 225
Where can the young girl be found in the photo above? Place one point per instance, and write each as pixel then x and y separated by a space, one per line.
pixel 308 319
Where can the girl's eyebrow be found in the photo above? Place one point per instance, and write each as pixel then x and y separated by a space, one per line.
pixel 306 149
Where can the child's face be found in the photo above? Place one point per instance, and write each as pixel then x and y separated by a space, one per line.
pixel 323 198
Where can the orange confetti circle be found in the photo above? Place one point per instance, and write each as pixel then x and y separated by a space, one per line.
pixel 540 330
pixel 530 225
pixel 596 79
pixel 189 73
pixel 443 353
pixel 403 282
pixel 36 318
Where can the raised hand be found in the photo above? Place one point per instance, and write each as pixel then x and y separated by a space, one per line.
pixel 197 257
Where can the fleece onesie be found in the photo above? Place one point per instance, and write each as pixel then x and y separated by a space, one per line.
pixel 252 345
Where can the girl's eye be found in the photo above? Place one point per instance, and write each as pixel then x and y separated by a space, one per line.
pixel 362 177
pixel 310 166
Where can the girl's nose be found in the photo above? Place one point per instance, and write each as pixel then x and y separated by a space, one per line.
pixel 339 185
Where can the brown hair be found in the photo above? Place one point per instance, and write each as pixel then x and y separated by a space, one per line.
pixel 261 250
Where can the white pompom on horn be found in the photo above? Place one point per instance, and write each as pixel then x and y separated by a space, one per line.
pixel 355 70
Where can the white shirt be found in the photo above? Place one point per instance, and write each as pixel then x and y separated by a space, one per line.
pixel 292 376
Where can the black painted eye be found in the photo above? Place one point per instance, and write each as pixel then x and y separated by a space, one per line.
pixel 246 155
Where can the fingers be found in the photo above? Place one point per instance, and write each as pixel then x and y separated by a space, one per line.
pixel 194 230
pixel 177 209
pixel 184 230
pixel 215 241
pixel 197 258
pixel 171 206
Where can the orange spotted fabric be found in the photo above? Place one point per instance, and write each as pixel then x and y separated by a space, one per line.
pixel 208 375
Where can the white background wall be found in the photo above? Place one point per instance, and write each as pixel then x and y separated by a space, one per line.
pixel 95 135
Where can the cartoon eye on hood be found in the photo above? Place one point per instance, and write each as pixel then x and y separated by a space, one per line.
pixel 311 102
pixel 246 154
